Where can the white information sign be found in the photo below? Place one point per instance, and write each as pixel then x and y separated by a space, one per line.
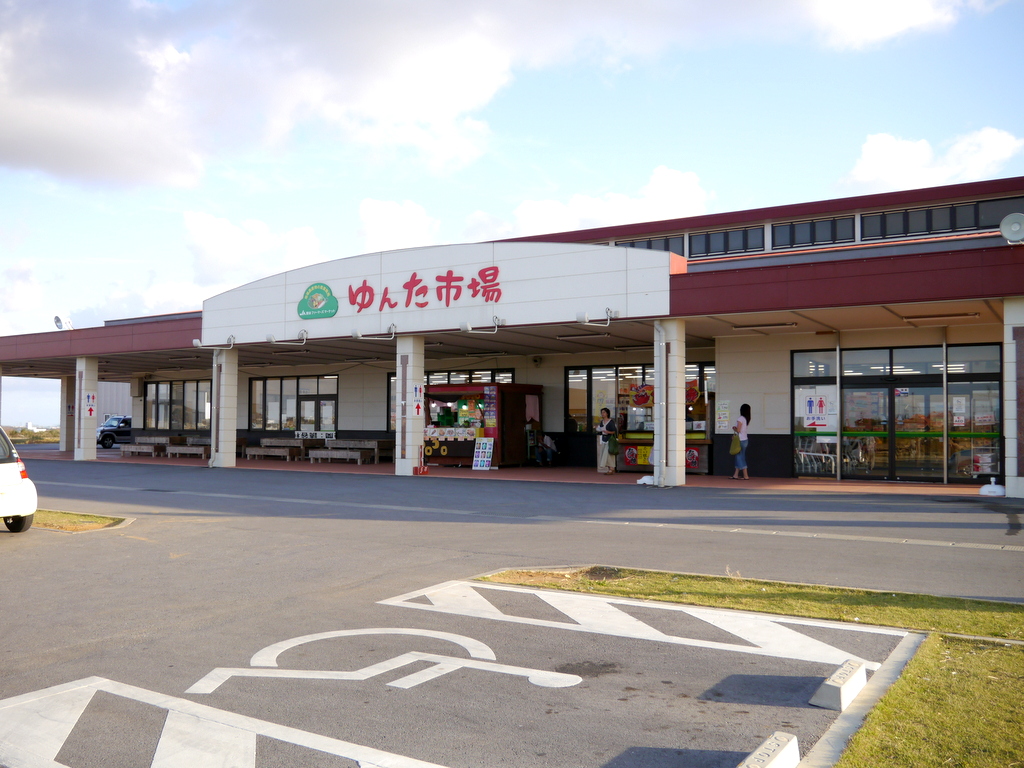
pixel 722 424
pixel 483 452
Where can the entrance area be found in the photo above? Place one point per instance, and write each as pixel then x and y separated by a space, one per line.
pixel 925 414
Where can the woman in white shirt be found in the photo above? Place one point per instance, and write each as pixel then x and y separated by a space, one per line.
pixel 740 428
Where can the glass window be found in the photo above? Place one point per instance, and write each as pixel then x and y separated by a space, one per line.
pixel 307 386
pixel 991 212
pixel 965 216
pixel 942 219
pixel 755 239
pixel 177 404
pixel 576 390
pixel 458 377
pixel 844 229
pixel 917 222
pixel 782 235
pixel 675 244
pixel 204 407
pixel 288 403
pixel 659 244
pixel 895 224
pixel 979 359
pixel 151 406
pixel 915 360
pixel 191 387
pixel 819 364
pixel 802 233
pixel 504 377
pixel 716 242
pixel 871 226
pixel 698 245
pixel 163 405
pixel 437 377
pixel 866 362
pixel 641 244
pixel 256 404
pixel 273 417
pixel 603 393
pixel 328 385
pixel 734 240
pixel 823 231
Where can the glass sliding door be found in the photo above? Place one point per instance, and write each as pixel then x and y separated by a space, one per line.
pixel 307 414
pixel 866 443
pixel 918 422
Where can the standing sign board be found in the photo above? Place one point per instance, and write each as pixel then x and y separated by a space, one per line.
pixel 483 452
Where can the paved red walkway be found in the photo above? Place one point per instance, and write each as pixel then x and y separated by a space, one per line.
pixel 539 474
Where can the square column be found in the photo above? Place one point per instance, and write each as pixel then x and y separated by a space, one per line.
pixel 67 413
pixel 1013 396
pixel 672 358
pixel 86 377
pixel 224 419
pixel 410 404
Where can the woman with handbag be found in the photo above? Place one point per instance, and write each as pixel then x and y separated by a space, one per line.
pixel 740 436
pixel 606 434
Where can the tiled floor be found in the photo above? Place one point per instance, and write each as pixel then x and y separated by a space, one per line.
pixel 542 474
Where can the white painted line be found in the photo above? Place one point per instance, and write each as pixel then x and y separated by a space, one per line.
pixel 764 635
pixel 25 747
pixel 779 750
pixel 442 666
pixel 841 687
pixel 268 656
pixel 198 743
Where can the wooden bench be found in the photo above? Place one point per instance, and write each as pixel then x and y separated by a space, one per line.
pixel 189 450
pixel 142 449
pixel 379 447
pixel 288 452
pixel 359 454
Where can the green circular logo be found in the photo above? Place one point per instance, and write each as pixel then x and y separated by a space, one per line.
pixel 317 302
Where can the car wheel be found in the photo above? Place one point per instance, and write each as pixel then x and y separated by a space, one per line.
pixel 19 524
pixel 107 441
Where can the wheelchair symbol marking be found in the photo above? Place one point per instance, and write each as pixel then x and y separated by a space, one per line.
pixel 265 663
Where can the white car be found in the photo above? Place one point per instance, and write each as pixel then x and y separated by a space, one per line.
pixel 18 498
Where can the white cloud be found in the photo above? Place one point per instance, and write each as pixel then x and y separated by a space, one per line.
pixel 887 162
pixel 669 194
pixel 388 225
pixel 226 254
pixel 139 92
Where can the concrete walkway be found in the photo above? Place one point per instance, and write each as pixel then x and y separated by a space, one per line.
pixel 537 474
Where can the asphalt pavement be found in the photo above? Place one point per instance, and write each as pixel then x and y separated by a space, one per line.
pixel 354 589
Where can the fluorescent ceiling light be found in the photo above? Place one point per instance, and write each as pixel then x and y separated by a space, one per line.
pixel 575 336
pixel 762 325
pixel 948 316
pixel 634 347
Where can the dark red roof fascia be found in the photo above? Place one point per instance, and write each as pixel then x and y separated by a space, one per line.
pixel 950 276
pixel 906 198
pixel 107 340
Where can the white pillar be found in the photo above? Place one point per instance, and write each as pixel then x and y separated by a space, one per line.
pixel 1013 380
pixel 409 404
pixel 86 377
pixel 674 337
pixel 67 413
pixel 224 419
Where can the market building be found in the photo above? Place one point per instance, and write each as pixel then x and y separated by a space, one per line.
pixel 874 337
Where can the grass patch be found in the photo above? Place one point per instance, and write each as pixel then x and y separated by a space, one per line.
pixel 888 609
pixel 958 702
pixel 73 521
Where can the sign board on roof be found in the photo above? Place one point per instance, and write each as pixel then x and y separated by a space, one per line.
pixel 420 290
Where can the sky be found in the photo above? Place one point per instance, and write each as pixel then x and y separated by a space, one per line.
pixel 154 154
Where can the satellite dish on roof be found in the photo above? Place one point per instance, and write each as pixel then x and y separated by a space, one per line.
pixel 1012 228
pixel 63 323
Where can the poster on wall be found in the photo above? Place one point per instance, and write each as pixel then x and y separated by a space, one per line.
pixel 483 452
pixel 722 424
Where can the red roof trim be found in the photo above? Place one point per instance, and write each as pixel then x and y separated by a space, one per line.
pixel 799 210
pixel 105 340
